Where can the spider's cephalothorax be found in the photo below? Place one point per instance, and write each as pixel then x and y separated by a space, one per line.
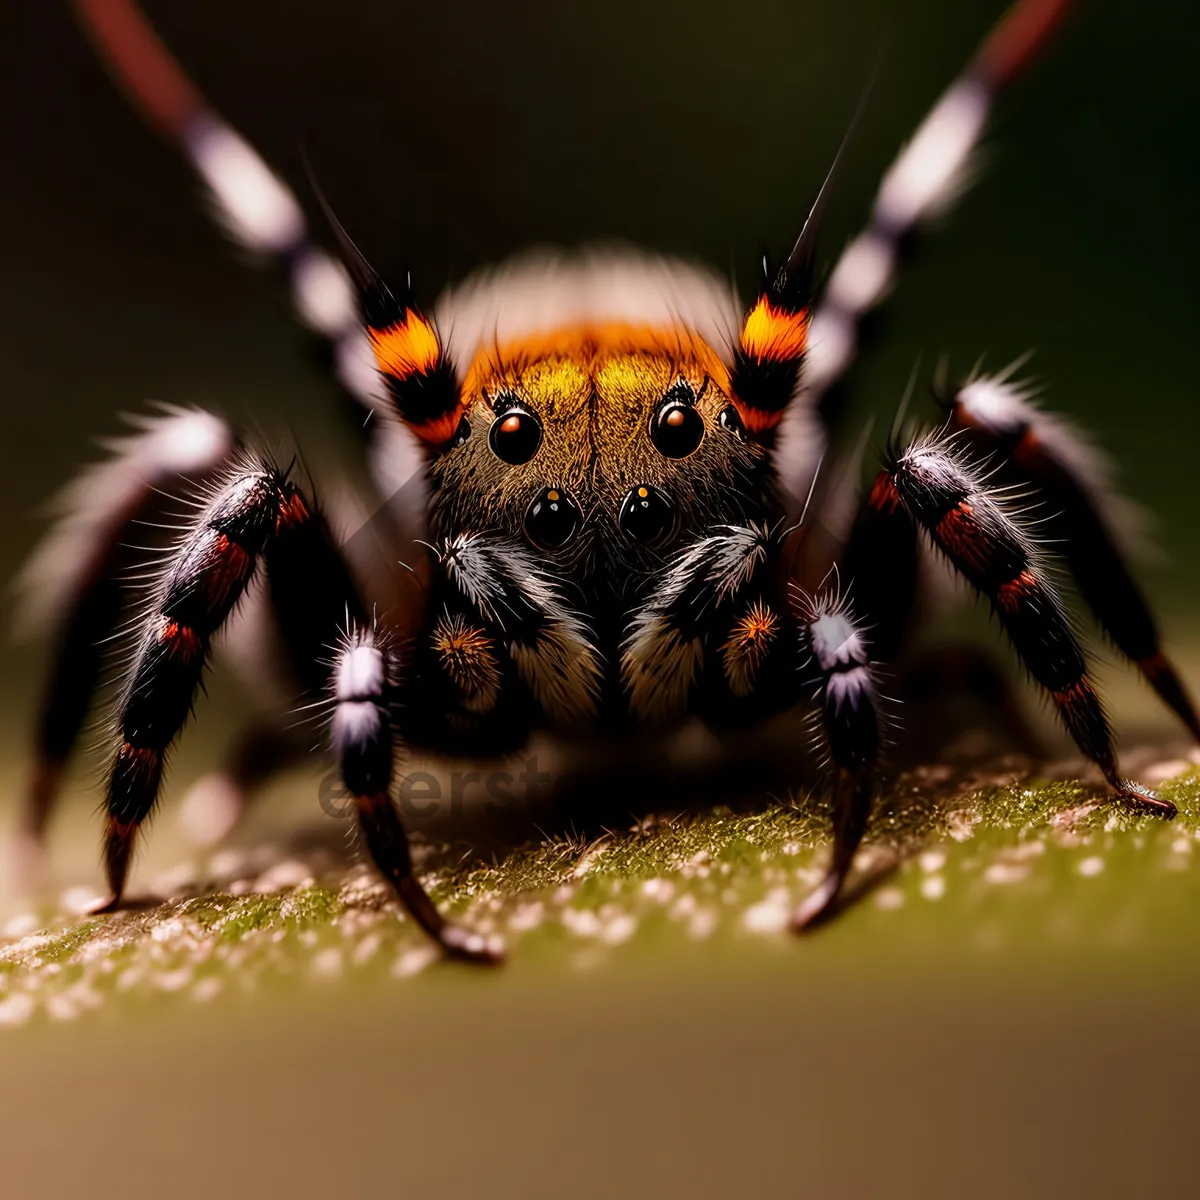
pixel 608 447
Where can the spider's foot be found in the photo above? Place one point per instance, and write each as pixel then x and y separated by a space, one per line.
pixel 465 946
pixel 1142 799
pixel 818 906
pixel 106 907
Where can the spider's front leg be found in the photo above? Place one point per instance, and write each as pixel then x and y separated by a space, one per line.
pixel 849 714
pixel 366 682
pixel 255 513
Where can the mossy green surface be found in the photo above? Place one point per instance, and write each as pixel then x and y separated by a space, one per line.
pixel 956 866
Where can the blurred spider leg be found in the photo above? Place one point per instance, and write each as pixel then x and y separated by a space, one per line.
pixel 254 206
pixel 363 741
pixel 1035 448
pixel 73 585
pixel 214 804
pixel 850 721
pixel 926 178
pixel 205 577
pixel 967 521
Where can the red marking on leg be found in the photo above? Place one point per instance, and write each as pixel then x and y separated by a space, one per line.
pixel 181 642
pixel 959 532
pixel 225 571
pixel 293 512
pixel 1012 594
pixel 1022 33
pixel 1080 693
pixel 884 497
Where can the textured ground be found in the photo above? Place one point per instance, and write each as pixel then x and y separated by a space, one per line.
pixel 958 864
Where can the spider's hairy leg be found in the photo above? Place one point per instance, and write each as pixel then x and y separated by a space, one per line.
pixel 1037 450
pixel 363 740
pixel 207 573
pixel 74 585
pixel 850 721
pixel 966 519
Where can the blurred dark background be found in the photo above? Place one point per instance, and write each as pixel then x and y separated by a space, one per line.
pixel 449 135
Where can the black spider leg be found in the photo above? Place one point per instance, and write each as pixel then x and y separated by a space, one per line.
pixel 850 721
pixel 1032 448
pixel 86 559
pixel 365 680
pixel 880 566
pixel 207 574
pixel 991 549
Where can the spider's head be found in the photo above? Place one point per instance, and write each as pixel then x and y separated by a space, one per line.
pixel 599 444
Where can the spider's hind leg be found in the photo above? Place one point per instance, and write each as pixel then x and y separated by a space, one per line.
pixel 966 518
pixel 1034 449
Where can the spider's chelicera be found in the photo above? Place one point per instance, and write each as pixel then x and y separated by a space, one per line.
pixel 609 447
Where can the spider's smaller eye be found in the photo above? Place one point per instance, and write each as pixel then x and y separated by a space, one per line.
pixel 462 433
pixel 553 519
pixel 646 515
pixel 677 429
pixel 732 421
pixel 515 434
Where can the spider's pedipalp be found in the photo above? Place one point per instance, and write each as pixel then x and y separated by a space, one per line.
pixel 664 648
pixel 1035 449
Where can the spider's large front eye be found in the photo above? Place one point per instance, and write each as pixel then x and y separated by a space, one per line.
pixel 515 435
pixel 676 428
pixel 552 520
pixel 646 515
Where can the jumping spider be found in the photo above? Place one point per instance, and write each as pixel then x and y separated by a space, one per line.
pixel 610 445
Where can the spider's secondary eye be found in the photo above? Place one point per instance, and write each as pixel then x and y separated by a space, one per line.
pixel 676 428
pixel 646 515
pixel 553 519
pixel 732 421
pixel 515 434
pixel 462 433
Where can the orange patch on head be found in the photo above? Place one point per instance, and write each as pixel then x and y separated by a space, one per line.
pixel 588 345
pixel 408 347
pixel 771 334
